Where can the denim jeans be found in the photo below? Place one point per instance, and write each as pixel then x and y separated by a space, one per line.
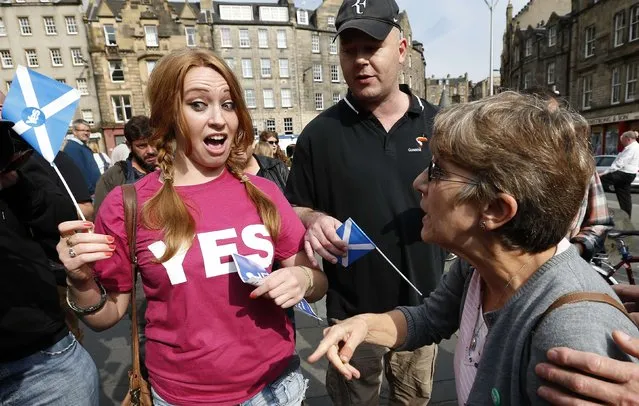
pixel 61 375
pixel 287 390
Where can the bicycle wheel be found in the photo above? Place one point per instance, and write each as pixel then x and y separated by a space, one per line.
pixel 610 279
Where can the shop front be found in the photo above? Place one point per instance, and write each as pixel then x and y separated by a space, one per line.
pixel 605 131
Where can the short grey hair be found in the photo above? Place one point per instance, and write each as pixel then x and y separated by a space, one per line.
pixel 633 135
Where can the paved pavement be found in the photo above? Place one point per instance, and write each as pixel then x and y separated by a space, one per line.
pixel 111 352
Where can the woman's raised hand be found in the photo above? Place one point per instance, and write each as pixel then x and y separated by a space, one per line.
pixel 286 286
pixel 79 246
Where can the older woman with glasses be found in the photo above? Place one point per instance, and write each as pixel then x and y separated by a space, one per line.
pixel 507 176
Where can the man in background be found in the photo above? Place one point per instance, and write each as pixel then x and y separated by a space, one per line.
pixel 624 170
pixel 78 150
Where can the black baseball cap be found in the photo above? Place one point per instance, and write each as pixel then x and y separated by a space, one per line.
pixel 374 17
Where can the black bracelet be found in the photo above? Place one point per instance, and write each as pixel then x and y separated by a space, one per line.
pixel 91 309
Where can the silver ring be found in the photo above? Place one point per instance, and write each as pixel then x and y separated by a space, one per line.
pixel 72 253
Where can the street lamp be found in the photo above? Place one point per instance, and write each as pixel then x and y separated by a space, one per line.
pixel 491 5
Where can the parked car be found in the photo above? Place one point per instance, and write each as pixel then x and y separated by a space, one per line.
pixel 603 162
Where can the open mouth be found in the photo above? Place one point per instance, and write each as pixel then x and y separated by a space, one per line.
pixel 215 142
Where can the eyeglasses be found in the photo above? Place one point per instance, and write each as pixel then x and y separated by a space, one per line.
pixel 273 142
pixel 437 173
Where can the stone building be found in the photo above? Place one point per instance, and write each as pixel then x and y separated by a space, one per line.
pixel 446 91
pixel 126 38
pixel 49 38
pixel 481 89
pixel 413 71
pixel 605 59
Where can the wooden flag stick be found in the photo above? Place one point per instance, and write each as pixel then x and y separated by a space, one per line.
pixel 69 192
pixel 398 271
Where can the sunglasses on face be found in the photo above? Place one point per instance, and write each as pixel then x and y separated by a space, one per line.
pixel 273 142
pixel 438 173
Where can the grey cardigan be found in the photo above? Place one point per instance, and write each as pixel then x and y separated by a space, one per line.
pixel 505 375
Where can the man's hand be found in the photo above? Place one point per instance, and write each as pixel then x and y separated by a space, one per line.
pixel 321 237
pixel 590 375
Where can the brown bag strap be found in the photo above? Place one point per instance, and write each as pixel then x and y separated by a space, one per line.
pixel 576 297
pixel 130 200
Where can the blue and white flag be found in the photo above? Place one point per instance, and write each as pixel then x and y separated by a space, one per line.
pixel 358 242
pixel 41 109
pixel 252 274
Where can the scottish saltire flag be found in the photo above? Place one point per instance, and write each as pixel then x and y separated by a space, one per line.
pixel 358 242
pixel 252 273
pixel 41 109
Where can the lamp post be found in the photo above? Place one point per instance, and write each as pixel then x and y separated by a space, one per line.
pixel 491 5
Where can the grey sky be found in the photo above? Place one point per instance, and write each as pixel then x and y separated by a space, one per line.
pixel 455 33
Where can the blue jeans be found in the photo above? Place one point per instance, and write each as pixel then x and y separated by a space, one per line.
pixel 287 390
pixel 61 375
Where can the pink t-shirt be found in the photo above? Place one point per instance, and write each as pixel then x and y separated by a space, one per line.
pixel 207 341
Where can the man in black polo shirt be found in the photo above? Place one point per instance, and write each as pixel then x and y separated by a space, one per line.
pixel 358 159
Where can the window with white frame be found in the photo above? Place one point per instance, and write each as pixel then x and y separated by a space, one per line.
pixel 315 43
pixel 410 81
pixel 236 13
pixel 8 85
pixel 516 54
pixel 150 65
pixel 72 25
pixel 334 74
pixel 402 79
pixel 32 58
pixel 225 37
pixel 247 68
pixel 615 86
pixel 3 28
pixel 190 34
pixel 274 14
pixel 265 67
pixel 76 57
pixel 249 97
pixel 288 125
pixel 302 17
pixel 284 73
pixel 109 35
pixel 589 41
pixel 410 61
pixel 6 59
pixel 285 95
pixel 281 39
pixel 269 99
pixel 619 22
pixel 552 36
pixel 336 98
pixel 121 108
pixel 49 26
pixel 319 101
pixel 633 32
pixel 56 57
pixel 82 86
pixel 330 21
pixel 527 80
pixel 550 73
pixel 116 71
pixel 245 40
pixel 230 62
pixel 269 124
pixel 586 92
pixel 25 27
pixel 262 38
pixel 317 72
pixel 255 128
pixel 332 47
pixel 87 115
pixel 528 47
pixel 151 35
pixel 631 82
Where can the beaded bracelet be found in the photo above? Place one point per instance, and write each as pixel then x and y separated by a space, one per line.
pixel 307 272
pixel 80 311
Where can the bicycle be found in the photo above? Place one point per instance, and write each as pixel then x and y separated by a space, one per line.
pixel 601 261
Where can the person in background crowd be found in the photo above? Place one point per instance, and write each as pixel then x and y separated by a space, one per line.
pixel 623 170
pixel 263 149
pixel 141 160
pixel 101 159
pixel 77 149
pixel 120 152
pixel 211 339
pixel 490 196
pixel 267 168
pixel 41 363
pixel 273 141
pixel 379 132
pixel 290 151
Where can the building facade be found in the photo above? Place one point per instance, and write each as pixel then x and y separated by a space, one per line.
pixel 49 38
pixel 446 91
pixel 605 56
pixel 481 89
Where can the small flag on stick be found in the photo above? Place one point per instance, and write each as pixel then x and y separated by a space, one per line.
pixel 359 244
